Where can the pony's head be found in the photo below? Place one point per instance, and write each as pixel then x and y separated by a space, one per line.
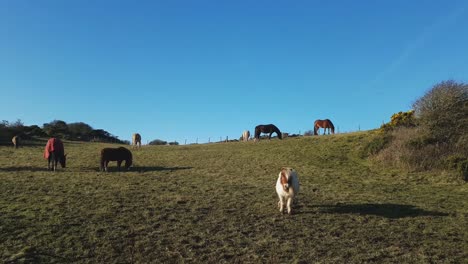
pixel 128 163
pixel 63 160
pixel 286 178
pixel 277 131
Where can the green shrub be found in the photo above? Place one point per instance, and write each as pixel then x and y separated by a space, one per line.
pixel 443 110
pixel 378 142
pixel 458 163
pixel 432 136
pixel 420 141
pixel 400 119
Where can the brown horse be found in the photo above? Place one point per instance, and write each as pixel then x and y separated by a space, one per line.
pixel 267 129
pixel 136 140
pixel 54 152
pixel 115 154
pixel 324 124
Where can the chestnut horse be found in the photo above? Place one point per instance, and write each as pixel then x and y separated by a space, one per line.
pixel 54 152
pixel 115 154
pixel 267 129
pixel 324 124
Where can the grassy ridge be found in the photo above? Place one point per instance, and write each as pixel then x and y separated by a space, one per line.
pixel 216 203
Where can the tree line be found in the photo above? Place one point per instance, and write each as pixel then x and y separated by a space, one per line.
pixel 78 131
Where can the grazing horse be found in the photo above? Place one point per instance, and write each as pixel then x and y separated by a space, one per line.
pixel 115 154
pixel 324 124
pixel 136 140
pixel 267 129
pixel 54 152
pixel 245 135
pixel 16 141
pixel 287 187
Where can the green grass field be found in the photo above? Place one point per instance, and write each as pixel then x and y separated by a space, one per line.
pixel 217 203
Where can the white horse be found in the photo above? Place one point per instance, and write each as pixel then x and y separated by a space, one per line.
pixel 287 187
pixel 245 136
pixel 16 141
pixel 136 140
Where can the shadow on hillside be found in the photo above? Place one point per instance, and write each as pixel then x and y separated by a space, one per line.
pixel 392 211
pixel 157 168
pixel 23 168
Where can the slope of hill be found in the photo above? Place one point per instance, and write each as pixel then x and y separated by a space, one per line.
pixel 216 203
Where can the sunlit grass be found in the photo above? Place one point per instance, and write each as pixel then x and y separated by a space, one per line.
pixel 216 203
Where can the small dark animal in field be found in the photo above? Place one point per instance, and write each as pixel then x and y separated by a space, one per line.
pixel 54 152
pixel 324 124
pixel 267 129
pixel 115 154
pixel 136 140
pixel 16 141
pixel 287 188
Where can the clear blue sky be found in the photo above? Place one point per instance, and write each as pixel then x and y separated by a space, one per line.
pixel 182 70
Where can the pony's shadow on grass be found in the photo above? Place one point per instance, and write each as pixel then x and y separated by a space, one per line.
pixel 158 168
pixel 23 168
pixel 391 211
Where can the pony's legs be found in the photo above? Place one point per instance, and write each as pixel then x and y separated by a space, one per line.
pixel 119 163
pixel 55 163
pixel 106 165
pixel 281 204
pixel 289 205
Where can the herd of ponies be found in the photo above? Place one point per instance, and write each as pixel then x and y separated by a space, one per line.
pixel 287 185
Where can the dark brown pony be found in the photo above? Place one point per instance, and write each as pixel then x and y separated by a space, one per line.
pixel 115 154
pixel 267 129
pixel 324 124
pixel 54 152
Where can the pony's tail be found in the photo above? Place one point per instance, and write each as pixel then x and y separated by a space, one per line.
pixel 315 128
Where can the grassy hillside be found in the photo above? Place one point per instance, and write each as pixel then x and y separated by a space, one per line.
pixel 216 203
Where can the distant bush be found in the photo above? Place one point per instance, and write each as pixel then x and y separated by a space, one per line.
pixel 408 149
pixel 157 142
pixel 433 136
pixel 400 119
pixel 443 110
pixel 377 143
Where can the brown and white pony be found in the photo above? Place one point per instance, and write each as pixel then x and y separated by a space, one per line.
pixel 267 129
pixel 54 152
pixel 324 124
pixel 136 140
pixel 16 141
pixel 115 154
pixel 287 188
pixel 245 136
